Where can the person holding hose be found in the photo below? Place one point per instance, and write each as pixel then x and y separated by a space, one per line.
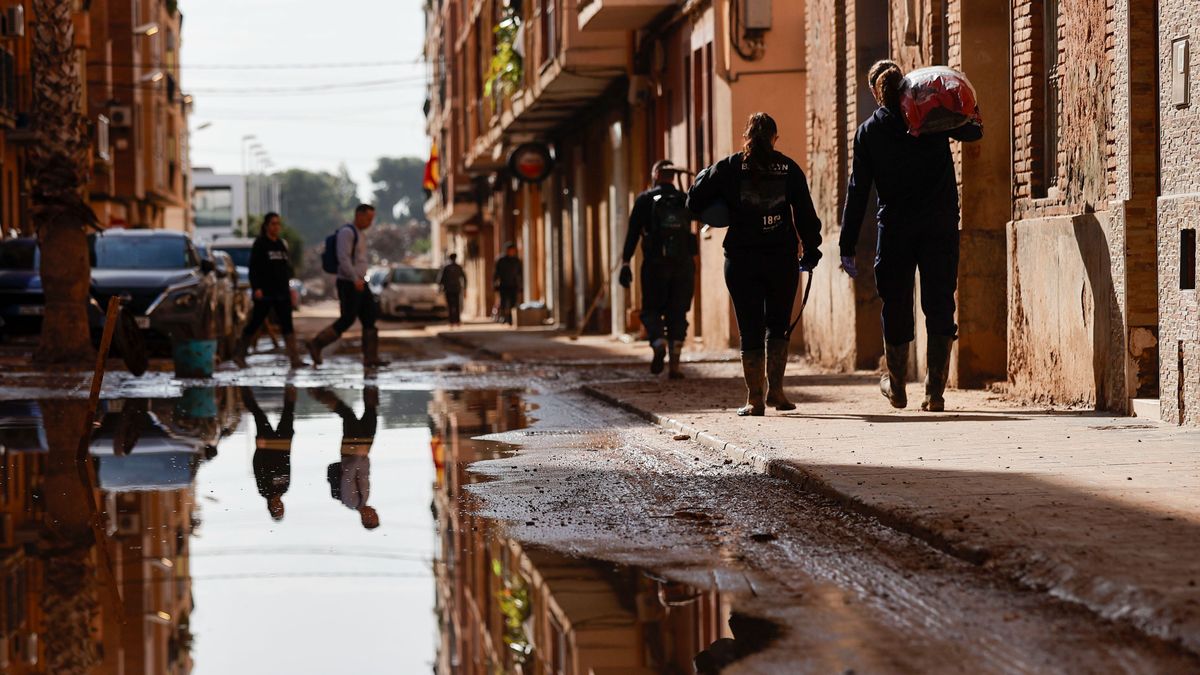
pixel 270 272
pixel 918 219
pixel 771 215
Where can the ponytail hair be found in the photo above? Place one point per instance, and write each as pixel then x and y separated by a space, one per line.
pixel 885 79
pixel 760 134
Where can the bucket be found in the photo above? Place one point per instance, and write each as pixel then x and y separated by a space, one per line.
pixel 195 358
pixel 197 403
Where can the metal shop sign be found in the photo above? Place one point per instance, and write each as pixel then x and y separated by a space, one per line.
pixel 531 162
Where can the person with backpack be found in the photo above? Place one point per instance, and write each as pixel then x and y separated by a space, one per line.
pixel 345 255
pixel 350 477
pixel 918 217
pixel 661 220
pixel 453 282
pixel 270 274
pixel 770 216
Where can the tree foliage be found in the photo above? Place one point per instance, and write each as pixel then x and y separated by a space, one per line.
pixel 398 190
pixel 315 202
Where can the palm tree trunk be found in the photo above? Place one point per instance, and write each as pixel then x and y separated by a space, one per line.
pixel 59 174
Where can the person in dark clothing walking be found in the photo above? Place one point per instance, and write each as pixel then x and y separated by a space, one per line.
pixel 770 215
pixel 356 302
pixel 453 282
pixel 661 221
pixel 918 218
pixel 350 478
pixel 507 281
pixel 273 449
pixel 270 272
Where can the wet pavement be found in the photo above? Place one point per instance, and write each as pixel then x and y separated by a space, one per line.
pixel 461 516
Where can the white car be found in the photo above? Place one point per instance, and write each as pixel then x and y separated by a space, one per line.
pixel 410 292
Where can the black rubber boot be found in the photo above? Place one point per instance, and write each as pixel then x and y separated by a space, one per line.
pixel 660 354
pixel 239 352
pixel 894 378
pixel 937 371
pixel 370 347
pixel 754 368
pixel 674 369
pixel 321 341
pixel 293 352
pixel 777 357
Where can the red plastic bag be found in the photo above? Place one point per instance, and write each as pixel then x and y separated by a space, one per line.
pixel 938 99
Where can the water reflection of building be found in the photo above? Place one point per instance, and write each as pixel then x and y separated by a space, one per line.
pixel 504 607
pixel 144 454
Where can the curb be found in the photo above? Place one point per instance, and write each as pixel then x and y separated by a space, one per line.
pixel 1032 573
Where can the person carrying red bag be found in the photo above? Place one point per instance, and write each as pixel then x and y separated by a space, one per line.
pixel 918 216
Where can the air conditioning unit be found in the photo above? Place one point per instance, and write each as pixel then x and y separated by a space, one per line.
pixel 12 22
pixel 756 15
pixel 128 525
pixel 120 116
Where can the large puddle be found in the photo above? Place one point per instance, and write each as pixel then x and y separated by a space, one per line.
pixel 307 531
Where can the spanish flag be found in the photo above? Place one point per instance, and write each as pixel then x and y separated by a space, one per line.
pixel 433 171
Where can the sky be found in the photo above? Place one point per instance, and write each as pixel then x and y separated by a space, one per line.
pixel 316 116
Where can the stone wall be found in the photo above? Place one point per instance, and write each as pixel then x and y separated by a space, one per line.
pixel 1178 209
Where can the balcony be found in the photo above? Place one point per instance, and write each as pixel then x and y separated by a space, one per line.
pixel 620 15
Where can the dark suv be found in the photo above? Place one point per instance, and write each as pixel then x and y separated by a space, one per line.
pixel 169 287
pixel 21 301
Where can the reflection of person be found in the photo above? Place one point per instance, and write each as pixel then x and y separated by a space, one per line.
pixel 273 449
pixel 356 302
pixel 662 222
pixel 453 281
pixel 270 274
pixel 350 478
pixel 918 230
pixel 771 215
pixel 507 280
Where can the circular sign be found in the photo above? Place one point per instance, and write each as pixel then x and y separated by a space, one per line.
pixel 531 162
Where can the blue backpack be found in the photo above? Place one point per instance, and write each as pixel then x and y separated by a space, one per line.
pixel 329 256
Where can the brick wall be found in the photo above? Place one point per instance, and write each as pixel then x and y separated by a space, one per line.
pixel 1178 208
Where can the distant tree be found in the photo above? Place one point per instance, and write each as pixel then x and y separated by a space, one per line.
pixel 314 203
pixel 398 191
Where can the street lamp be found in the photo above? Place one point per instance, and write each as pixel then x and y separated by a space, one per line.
pixel 147 29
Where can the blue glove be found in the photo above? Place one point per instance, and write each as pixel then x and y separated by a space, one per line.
pixel 808 264
pixel 850 266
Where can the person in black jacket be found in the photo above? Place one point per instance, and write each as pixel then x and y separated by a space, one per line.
pixel 453 281
pixel 918 219
pixel 270 272
pixel 770 215
pixel 273 449
pixel 661 221
pixel 507 280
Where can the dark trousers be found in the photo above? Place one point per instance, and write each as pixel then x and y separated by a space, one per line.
pixel 508 301
pixel 762 284
pixel 667 290
pixel 901 251
pixel 354 305
pixel 281 307
pixel 454 307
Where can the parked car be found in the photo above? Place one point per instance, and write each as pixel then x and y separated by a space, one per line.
pixel 21 301
pixel 168 286
pixel 411 292
pixel 233 296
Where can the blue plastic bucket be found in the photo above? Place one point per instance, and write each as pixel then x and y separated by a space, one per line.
pixel 197 403
pixel 195 358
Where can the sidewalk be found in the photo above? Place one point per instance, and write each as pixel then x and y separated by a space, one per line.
pixel 1093 509
pixel 547 345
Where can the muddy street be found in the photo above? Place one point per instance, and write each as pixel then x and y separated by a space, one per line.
pixel 468 513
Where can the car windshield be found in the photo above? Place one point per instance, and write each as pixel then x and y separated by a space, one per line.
pixel 240 255
pixel 141 253
pixel 18 255
pixel 412 275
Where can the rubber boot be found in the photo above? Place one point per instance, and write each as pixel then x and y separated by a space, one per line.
pixel 293 351
pixel 675 371
pixel 239 352
pixel 370 347
pixel 937 370
pixel 660 354
pixel 896 375
pixel 754 367
pixel 777 357
pixel 321 341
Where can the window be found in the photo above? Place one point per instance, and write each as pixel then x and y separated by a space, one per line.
pixel 141 253
pixel 1046 147
pixel 549 23
pixel 214 207
pixel 103 143
pixel 701 113
pixel 1187 260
